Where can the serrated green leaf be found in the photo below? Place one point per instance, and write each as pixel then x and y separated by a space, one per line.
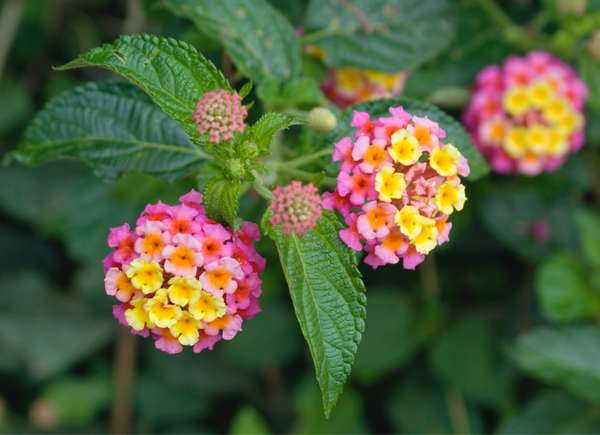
pixel 563 291
pixel 566 356
pixel 383 35
pixel 329 299
pixel 172 72
pixel 259 39
pixel 262 132
pixel 455 132
pixel 113 127
pixel 221 200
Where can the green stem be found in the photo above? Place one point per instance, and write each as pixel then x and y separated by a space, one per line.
pixel 430 282
pixel 303 160
pixel 459 415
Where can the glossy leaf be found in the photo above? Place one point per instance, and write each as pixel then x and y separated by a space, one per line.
pixel 382 35
pixel 259 39
pixel 172 72
pixel 113 127
pixel 329 299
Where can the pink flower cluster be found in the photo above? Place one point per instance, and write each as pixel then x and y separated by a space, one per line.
pixel 397 185
pixel 182 278
pixel 297 208
pixel 220 114
pixel 526 115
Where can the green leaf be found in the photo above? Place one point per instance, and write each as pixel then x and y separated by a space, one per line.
pixel 512 216
pixel 329 299
pixel 259 39
pixel 172 72
pixel 46 330
pixel 347 418
pixel 262 132
pixel 389 342
pixel 564 292
pixel 455 132
pixel 383 35
pixel 300 92
pixel 113 127
pixel 465 358
pixel 556 413
pixel 589 69
pixel 248 422
pixel 77 401
pixel 588 223
pixel 421 409
pixel 221 200
pixel 566 356
pixel 278 324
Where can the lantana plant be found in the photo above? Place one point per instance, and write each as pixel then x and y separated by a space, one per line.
pixel 379 179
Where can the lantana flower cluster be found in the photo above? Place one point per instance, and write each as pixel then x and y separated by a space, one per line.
pixel 398 184
pixel 296 208
pixel 348 86
pixel 181 278
pixel 526 115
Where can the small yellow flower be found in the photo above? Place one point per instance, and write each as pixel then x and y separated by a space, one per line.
pixel 540 94
pixel 160 312
pixel 450 197
pixel 410 221
pixel 405 148
pixel 186 329
pixel 515 143
pixel 426 240
pixel 570 122
pixel 349 78
pixel 137 317
pixel 556 110
pixel 557 143
pixel 445 160
pixel 183 289
pixel 389 184
pixel 207 307
pixel 537 139
pixel 516 100
pixel 145 275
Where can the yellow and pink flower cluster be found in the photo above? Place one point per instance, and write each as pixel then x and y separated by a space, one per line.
pixel 182 278
pixel 398 184
pixel 348 86
pixel 526 116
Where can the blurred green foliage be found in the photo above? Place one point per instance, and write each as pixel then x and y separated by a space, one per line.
pixel 508 343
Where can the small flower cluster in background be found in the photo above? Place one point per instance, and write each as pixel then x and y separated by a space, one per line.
pixel 348 86
pixel 182 278
pixel 398 184
pixel 526 116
